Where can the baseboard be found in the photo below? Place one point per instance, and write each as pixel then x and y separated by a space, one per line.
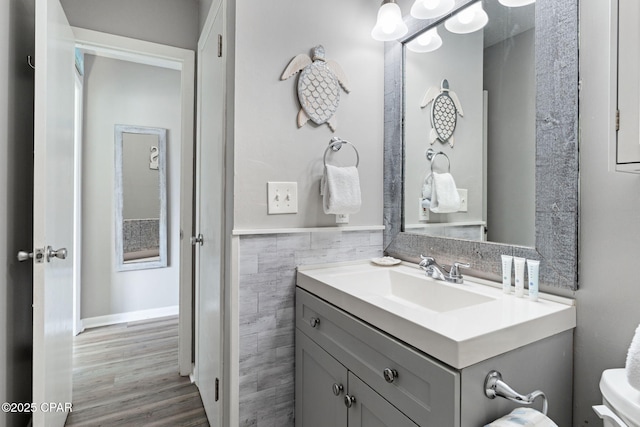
pixel 132 316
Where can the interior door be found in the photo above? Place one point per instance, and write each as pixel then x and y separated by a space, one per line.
pixel 53 214
pixel 209 217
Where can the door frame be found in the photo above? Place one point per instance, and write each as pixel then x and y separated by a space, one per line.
pixel 149 53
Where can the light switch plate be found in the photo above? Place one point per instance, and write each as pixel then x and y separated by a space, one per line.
pixel 282 197
pixel 423 213
pixel 463 200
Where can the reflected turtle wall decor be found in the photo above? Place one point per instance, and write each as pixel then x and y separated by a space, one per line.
pixel 445 107
pixel 318 87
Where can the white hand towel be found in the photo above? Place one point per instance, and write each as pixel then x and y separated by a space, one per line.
pixel 444 196
pixel 427 187
pixel 523 417
pixel 340 188
pixel 633 361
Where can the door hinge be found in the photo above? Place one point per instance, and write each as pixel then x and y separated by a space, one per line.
pixel 617 120
pixel 219 45
pixel 217 389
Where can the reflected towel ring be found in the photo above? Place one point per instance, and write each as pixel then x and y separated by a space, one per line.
pixel 432 154
pixel 336 144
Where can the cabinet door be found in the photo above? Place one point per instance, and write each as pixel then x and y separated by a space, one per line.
pixel 321 382
pixel 369 409
pixel 628 85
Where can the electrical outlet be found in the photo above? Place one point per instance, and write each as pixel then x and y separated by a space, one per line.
pixel 282 197
pixel 423 213
pixel 342 219
pixel 463 200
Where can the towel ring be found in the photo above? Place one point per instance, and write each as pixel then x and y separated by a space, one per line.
pixel 336 144
pixel 432 154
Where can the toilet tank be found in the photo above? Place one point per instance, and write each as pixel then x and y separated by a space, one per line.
pixel 618 395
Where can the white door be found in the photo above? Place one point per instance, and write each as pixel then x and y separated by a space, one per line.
pixel 209 217
pixel 53 215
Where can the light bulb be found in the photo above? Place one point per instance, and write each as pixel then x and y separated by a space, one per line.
pixel 516 3
pixel 468 20
pixel 427 42
pixel 389 25
pixel 428 9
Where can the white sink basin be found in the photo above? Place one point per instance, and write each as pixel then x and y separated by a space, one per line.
pixel 459 324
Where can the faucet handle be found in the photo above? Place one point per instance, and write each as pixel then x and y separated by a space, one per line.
pixel 426 260
pixel 455 268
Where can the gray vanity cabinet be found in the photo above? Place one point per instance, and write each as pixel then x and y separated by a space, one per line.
pixel 324 388
pixel 393 385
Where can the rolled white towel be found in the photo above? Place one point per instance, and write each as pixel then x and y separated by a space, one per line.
pixel 632 366
pixel 523 417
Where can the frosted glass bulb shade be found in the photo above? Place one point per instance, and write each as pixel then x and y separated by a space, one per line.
pixel 516 3
pixel 427 42
pixel 389 25
pixel 468 20
pixel 428 9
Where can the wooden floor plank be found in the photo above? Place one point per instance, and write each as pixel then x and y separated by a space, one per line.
pixel 127 375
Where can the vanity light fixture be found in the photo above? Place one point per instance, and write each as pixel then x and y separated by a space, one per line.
pixel 427 42
pixel 427 9
pixel 389 25
pixel 468 20
pixel 516 3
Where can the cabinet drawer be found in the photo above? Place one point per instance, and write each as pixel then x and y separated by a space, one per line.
pixel 425 390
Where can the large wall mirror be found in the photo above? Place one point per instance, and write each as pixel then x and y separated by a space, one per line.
pixel 141 197
pixel 514 150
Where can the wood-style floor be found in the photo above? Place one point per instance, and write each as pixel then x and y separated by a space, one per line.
pixel 127 375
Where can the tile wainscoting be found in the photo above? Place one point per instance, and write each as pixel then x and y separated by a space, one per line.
pixel 267 275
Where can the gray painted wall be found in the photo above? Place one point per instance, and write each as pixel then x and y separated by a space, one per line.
pixel 16 204
pixel 511 149
pixel 610 228
pixel 268 144
pixel 170 22
pixel 122 92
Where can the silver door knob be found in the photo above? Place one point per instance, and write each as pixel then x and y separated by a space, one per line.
pixel 23 255
pixel 314 322
pixel 37 255
pixel 337 389
pixel 349 400
pixel 53 253
pixel 199 239
pixel 390 375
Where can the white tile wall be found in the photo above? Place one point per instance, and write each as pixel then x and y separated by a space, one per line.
pixel 267 311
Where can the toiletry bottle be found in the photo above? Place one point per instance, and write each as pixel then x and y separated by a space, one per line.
pixel 507 260
pixel 519 268
pixel 533 269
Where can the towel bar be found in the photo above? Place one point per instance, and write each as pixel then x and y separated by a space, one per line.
pixel 336 144
pixel 494 386
pixel 432 154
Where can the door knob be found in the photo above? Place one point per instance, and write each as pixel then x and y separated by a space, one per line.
pixel 314 322
pixel 197 239
pixel 37 255
pixel 52 253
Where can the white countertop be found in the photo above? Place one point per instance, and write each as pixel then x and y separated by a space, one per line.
pixel 459 337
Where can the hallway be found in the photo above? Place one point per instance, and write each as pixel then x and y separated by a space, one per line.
pixel 127 375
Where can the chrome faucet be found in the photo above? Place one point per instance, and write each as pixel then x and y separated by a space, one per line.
pixel 440 272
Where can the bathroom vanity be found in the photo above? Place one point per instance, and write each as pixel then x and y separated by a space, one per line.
pixel 388 346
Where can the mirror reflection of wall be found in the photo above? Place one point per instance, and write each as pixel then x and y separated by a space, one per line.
pixel 493 158
pixel 141 198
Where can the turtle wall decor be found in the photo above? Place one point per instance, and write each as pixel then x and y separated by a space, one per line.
pixel 318 87
pixel 445 107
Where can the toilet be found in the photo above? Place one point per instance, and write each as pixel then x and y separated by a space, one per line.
pixel 621 402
